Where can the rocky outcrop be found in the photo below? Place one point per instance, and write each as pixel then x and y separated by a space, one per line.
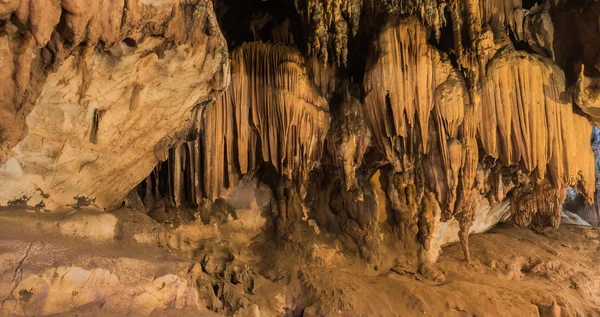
pixel 114 87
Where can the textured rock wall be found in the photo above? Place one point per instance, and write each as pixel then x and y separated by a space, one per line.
pixel 440 111
pixel 119 89
pixel 461 112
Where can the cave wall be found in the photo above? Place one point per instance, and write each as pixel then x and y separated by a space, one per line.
pixel 463 109
pixel 117 92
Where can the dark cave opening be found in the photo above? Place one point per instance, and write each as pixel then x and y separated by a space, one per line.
pixel 528 4
pixel 446 41
pixel 256 20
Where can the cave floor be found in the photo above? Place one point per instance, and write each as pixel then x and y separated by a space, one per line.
pixel 515 272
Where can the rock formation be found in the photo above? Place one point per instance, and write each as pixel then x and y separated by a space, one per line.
pixel 378 130
pixel 270 113
pixel 98 91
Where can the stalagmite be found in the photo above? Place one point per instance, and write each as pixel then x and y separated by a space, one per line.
pixel 405 202
pixel 465 215
pixel 347 194
pixel 348 140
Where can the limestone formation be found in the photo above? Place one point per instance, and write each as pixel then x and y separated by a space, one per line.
pixel 106 96
pixel 339 138
pixel 519 109
pixel 271 113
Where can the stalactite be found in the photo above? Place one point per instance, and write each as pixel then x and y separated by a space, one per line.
pixel 330 20
pixel 398 87
pixel 270 113
pixel 418 107
pixel 399 104
pixel 524 98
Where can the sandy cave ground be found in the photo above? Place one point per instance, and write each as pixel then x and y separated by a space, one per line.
pixel 515 272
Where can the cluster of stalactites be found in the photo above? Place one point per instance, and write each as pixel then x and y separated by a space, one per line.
pixel 406 87
pixel 526 119
pixel 179 179
pixel 418 106
pixel 330 21
pixel 398 88
pixel 270 113
pixel 472 14
pixel 430 12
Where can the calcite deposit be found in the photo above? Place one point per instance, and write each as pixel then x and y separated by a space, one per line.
pixel 107 106
pixel 262 139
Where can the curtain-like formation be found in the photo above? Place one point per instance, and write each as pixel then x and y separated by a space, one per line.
pixel 526 119
pixel 399 88
pixel 271 112
pixel 408 86
pixel 418 106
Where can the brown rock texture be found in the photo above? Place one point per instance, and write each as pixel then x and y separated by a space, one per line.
pixel 117 87
pixel 270 113
pixel 339 138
